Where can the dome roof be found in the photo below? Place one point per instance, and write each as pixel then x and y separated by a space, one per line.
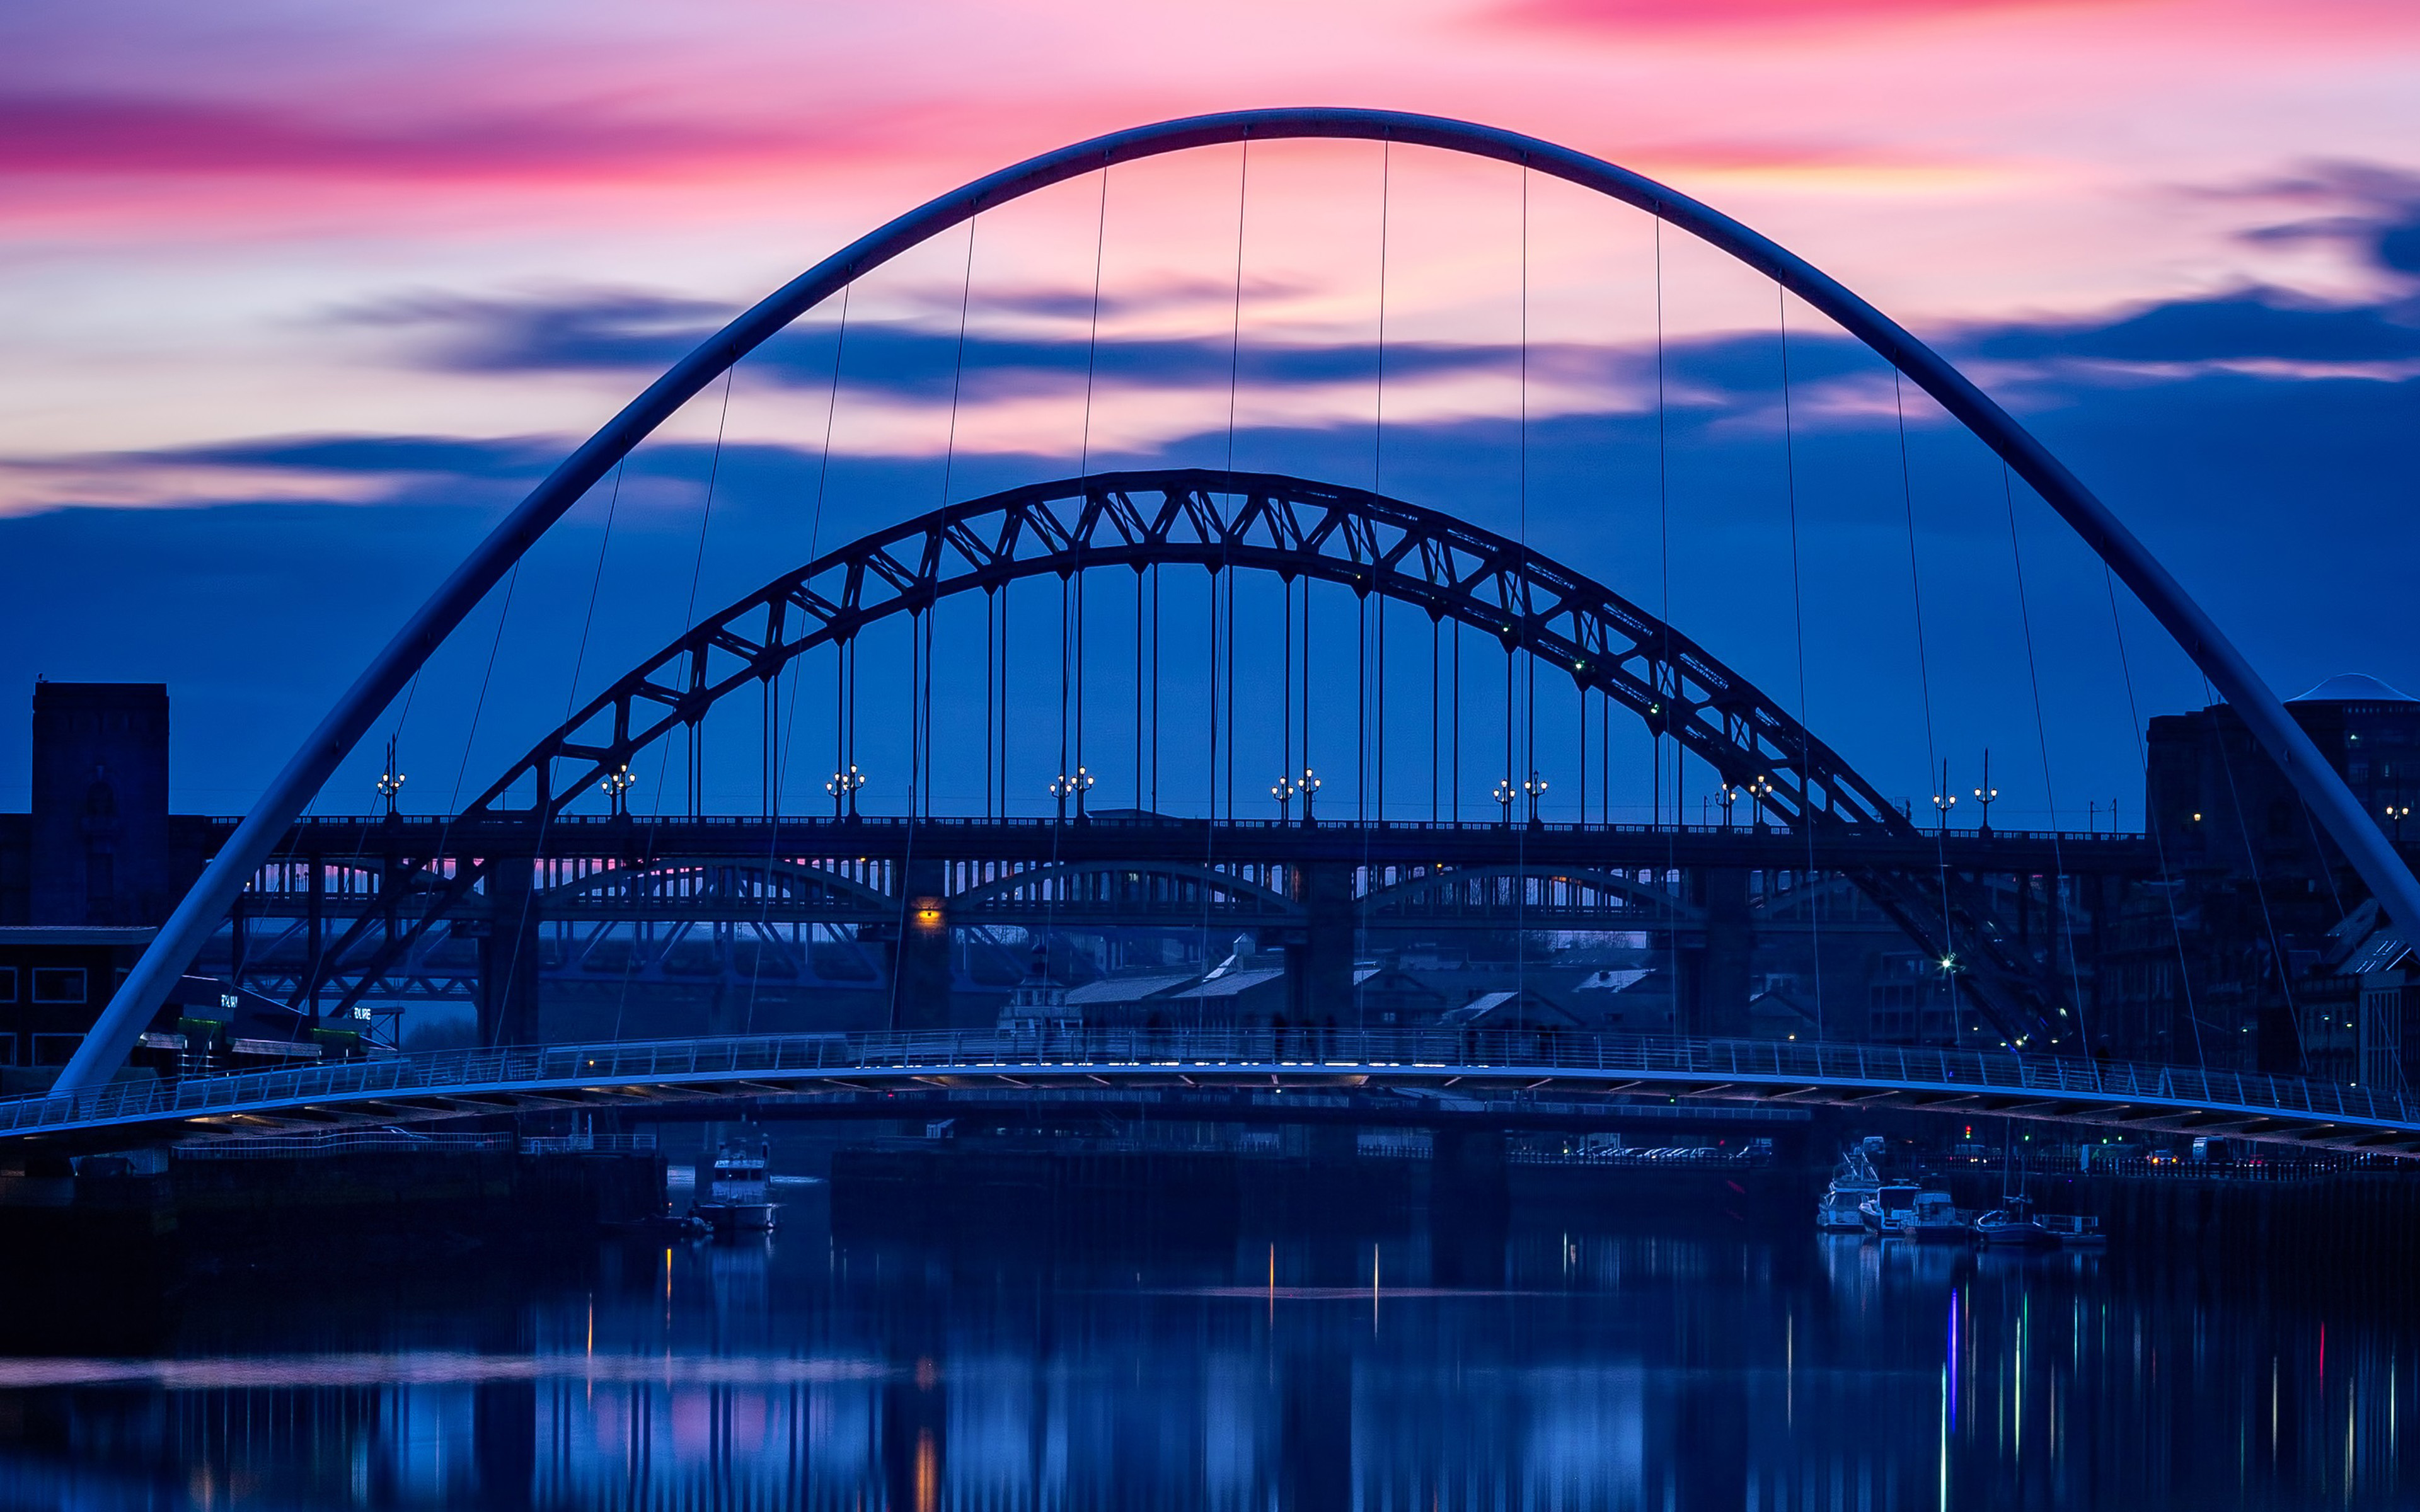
pixel 2352 687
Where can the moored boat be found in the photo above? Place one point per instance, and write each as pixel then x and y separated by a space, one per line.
pixel 1887 1211
pixel 2014 1225
pixel 741 1200
pixel 1933 1218
pixel 1852 1181
pixel 1836 1213
pixel 2074 1230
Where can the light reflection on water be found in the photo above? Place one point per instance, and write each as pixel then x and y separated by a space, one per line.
pixel 1556 1365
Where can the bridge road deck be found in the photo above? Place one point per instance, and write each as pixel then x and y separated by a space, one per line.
pixel 455 1084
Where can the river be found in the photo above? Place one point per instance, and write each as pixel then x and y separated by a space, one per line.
pixel 1561 1358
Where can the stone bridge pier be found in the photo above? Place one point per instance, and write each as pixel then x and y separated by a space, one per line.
pixel 1319 961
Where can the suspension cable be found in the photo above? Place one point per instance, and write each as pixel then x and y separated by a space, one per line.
pixel 2261 893
pixel 2049 789
pixel 1521 472
pixel 1669 883
pixel 1225 570
pixel 2151 821
pixel 1366 884
pixel 1924 684
pixel 1811 891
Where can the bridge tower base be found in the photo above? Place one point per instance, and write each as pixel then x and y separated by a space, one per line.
pixel 508 955
pixel 1319 966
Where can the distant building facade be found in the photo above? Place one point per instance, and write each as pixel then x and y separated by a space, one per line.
pixel 2225 959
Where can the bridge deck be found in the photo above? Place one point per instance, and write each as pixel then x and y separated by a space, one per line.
pixel 454 1083
pixel 1131 837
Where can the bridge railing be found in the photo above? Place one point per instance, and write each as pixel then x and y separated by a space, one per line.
pixel 1444 1053
pixel 373 823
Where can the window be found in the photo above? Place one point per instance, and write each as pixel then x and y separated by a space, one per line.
pixel 2356 771
pixel 59 984
pixel 54 1049
pixel 8 984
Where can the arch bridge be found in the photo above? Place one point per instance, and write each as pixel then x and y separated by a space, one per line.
pixel 484 864
pixel 521 855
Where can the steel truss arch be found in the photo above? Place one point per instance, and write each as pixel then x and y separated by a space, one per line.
pixel 1294 528
pixel 1216 520
pixel 105 1049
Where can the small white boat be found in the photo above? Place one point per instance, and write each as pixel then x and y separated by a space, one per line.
pixel 2013 1224
pixel 1837 1212
pixel 1888 1211
pixel 2076 1230
pixel 1852 1181
pixel 741 1200
pixel 1933 1218
pixel 739 1161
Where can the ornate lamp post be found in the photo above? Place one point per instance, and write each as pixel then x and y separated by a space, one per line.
pixel 1987 795
pixel 1066 785
pixel 1727 795
pixel 1759 790
pixel 1533 789
pixel 1945 800
pixel 616 788
pixel 1504 794
pixel 843 787
pixel 390 782
pixel 1309 788
pixel 2396 813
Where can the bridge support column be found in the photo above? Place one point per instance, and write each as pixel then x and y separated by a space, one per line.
pixel 508 955
pixel 1319 968
pixel 920 965
pixel 1717 989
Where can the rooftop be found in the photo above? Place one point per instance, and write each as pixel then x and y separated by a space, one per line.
pixel 2352 687
pixel 131 935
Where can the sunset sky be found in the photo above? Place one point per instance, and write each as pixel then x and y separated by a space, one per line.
pixel 300 297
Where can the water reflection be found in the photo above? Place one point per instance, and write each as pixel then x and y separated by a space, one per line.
pixel 1300 1366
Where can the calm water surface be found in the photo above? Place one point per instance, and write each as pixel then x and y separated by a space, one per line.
pixel 1560 1361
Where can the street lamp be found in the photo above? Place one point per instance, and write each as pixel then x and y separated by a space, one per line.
pixel 1945 800
pixel 390 782
pixel 1066 786
pixel 843 787
pixel 1534 789
pixel 1987 795
pixel 617 787
pixel 1727 795
pixel 1309 788
pixel 1760 788
pixel 1504 794
pixel 2399 812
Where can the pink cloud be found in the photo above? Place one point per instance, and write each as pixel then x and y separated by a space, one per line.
pixel 90 135
pixel 1708 15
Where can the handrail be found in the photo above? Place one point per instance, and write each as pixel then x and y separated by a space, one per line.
pixel 1411 1053
pixel 471 828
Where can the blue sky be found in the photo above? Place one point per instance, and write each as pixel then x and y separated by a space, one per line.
pixel 297 327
